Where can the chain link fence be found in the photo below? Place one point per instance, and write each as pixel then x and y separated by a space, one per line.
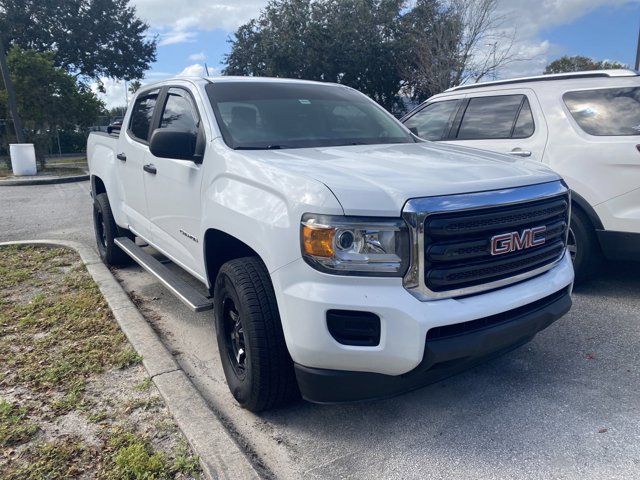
pixel 54 146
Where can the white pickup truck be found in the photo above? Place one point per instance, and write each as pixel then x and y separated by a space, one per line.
pixel 344 258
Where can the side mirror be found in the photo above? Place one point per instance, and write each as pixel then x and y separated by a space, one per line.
pixel 171 143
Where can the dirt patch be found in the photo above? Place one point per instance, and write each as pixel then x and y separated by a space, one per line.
pixel 75 402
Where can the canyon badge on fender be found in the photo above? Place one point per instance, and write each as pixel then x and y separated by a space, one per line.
pixel 514 241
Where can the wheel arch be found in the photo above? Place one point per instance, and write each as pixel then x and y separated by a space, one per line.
pixel 97 186
pixel 219 248
pixel 578 201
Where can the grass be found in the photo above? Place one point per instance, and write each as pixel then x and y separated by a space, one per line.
pixel 48 171
pixel 58 340
pixel 15 426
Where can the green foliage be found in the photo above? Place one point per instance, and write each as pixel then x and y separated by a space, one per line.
pixel 91 37
pixel 47 95
pixel 365 44
pixel 578 63
pixel 49 99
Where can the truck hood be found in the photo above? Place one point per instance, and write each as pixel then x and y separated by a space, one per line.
pixel 379 179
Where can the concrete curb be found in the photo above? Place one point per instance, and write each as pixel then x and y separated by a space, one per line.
pixel 220 456
pixel 43 181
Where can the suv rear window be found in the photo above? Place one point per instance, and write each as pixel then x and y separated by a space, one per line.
pixel 609 111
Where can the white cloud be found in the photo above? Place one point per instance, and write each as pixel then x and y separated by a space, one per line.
pixel 532 19
pixel 195 70
pixel 179 21
pixel 115 92
pixel 198 57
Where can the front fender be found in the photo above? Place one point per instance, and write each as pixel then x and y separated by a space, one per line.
pixel 264 209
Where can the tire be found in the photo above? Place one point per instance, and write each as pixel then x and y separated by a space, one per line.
pixel 255 359
pixel 583 247
pixel 106 231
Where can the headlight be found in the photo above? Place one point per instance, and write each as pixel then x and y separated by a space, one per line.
pixel 355 245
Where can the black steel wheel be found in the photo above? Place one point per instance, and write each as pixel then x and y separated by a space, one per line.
pixel 254 356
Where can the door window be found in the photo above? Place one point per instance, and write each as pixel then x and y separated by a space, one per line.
pixel 496 117
pixel 524 125
pixel 434 120
pixel 179 112
pixel 609 111
pixel 141 115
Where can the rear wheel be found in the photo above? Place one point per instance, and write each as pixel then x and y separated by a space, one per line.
pixel 254 356
pixel 107 231
pixel 583 247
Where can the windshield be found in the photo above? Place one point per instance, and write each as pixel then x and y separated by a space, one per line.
pixel 268 115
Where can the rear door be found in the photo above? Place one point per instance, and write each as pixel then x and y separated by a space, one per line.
pixel 133 153
pixel 506 121
pixel 173 191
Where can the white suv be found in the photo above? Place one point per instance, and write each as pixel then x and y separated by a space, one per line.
pixel 585 125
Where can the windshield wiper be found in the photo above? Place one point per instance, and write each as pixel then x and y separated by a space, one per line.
pixel 263 147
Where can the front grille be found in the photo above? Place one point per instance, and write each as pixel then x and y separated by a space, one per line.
pixel 458 244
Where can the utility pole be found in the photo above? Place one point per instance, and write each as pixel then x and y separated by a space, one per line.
pixel 638 52
pixel 11 94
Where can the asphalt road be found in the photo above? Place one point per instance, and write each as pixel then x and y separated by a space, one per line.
pixel 567 405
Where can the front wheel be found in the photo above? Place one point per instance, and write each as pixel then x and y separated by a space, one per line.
pixel 254 356
pixel 583 247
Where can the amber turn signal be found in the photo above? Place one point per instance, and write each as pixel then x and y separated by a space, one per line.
pixel 318 241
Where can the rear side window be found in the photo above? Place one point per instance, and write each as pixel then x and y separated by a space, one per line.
pixel 503 116
pixel 610 111
pixel 434 120
pixel 179 112
pixel 141 115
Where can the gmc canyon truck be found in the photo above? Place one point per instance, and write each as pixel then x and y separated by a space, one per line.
pixel 343 257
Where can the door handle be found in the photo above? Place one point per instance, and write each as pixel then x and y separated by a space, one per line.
pixel 518 152
pixel 150 168
pixel 122 157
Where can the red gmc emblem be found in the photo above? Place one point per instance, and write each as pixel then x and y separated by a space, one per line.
pixel 514 241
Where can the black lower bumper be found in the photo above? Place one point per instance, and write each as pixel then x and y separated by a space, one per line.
pixel 449 350
pixel 619 245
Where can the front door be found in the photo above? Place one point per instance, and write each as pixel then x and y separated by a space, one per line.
pixel 173 187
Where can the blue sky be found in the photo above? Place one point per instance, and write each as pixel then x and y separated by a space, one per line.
pixel 192 33
pixel 606 33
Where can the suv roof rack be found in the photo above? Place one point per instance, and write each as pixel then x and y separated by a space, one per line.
pixel 555 76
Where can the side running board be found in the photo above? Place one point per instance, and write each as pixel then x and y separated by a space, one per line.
pixel 185 292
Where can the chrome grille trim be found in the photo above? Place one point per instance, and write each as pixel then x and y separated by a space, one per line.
pixel 416 211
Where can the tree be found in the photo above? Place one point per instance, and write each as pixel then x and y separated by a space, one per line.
pixel 48 97
pixel 579 63
pixel 134 86
pixel 384 48
pixel 453 43
pixel 88 38
pixel 354 42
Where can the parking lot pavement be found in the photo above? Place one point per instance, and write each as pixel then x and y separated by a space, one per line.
pixel 564 406
pixel 46 211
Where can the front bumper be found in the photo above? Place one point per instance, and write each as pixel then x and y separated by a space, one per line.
pixel 443 356
pixel 304 295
